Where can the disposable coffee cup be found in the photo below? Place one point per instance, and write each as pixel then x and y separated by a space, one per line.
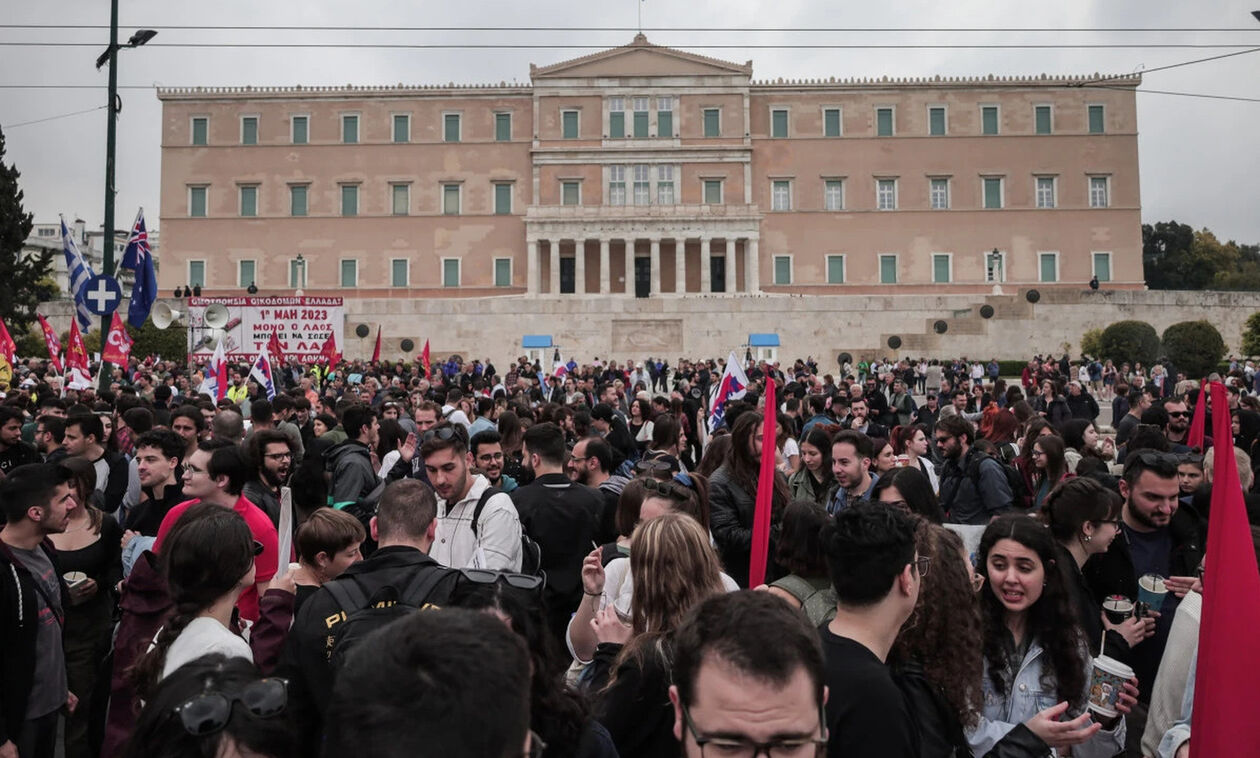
pixel 1106 682
pixel 74 578
pixel 1152 590
pixel 1118 608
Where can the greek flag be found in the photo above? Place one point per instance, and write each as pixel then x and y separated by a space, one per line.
pixel 78 273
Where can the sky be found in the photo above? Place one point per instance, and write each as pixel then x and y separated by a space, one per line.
pixel 1199 157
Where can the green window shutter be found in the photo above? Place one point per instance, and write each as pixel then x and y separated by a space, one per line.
pixel 940 269
pixel 640 124
pixel 989 119
pixel 249 131
pixel 831 122
pixel 197 202
pixel 888 269
pixel 450 272
pixel 398 272
pixel 1096 125
pixel 502 199
pixel 570 124
pixel 197 273
pixel 450 199
pixel 401 199
pixel 782 269
pixel 779 124
pixel 247 276
pixel 835 269
pixel 712 192
pixel 450 129
pixel 402 128
pixel 1102 266
pixel 503 127
pixel 936 119
pixel 884 122
pixel 1043 119
pixel 297 201
pixel 664 123
pixel 350 129
pixel 617 124
pixel 571 193
pixel 349 273
pixel 200 131
pixel 992 193
pixel 249 201
pixel 1048 273
pixel 503 272
pixel 712 122
pixel 301 132
pixel 350 200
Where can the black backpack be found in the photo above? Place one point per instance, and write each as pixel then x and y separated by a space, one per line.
pixel 364 615
pixel 531 552
pixel 1014 479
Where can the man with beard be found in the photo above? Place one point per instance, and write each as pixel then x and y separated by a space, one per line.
pixel 1177 428
pixel 159 453
pixel 487 452
pixel 859 419
pixel 190 425
pixel 270 458
pixel 13 451
pixel 50 431
pixel 591 464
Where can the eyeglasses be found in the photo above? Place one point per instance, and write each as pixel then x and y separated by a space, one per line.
pixel 741 747
pixel 209 712
pixel 667 489
pixel 511 579
pixel 921 564
pixel 1178 414
pixel 279 456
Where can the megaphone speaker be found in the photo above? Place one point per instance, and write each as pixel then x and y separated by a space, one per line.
pixel 217 315
pixel 164 315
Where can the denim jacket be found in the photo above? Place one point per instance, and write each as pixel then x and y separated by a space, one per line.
pixel 1025 700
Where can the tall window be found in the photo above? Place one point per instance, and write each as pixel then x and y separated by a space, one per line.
pixel 640 117
pixel 400 199
pixel 781 195
pixel 301 130
pixel 349 199
pixel 782 269
pixel 350 273
pixel 939 194
pixel 989 119
pixel 450 127
pixel 349 128
pixel 665 184
pixel 450 199
pixel 249 130
pixel 196 273
pixel 197 201
pixel 888 269
pixel 779 123
pixel 297 274
pixel 712 122
pixel 833 195
pixel 399 272
pixel 402 127
pixel 713 191
pixel 642 184
pixel 936 120
pixel 502 199
pixel 616 185
pixel 831 122
pixel 884 122
pixel 503 272
pixel 246 273
pixel 664 117
pixel 1049 264
pixel 249 200
pixel 992 192
pixel 1045 192
pixel 1043 119
pixel 450 272
pixel 297 200
pixel 503 127
pixel 835 269
pixel 1097 122
pixel 569 124
pixel 1102 266
pixel 616 117
pixel 941 268
pixel 200 130
pixel 1099 192
pixel 886 194
pixel 571 193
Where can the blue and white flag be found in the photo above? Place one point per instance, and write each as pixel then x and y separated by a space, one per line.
pixel 261 370
pixel 138 257
pixel 78 273
pixel 733 386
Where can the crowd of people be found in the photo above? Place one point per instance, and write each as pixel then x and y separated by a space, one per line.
pixel 475 563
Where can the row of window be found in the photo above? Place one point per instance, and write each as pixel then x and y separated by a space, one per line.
pixel 399 273
pixel 937 121
pixel 300 128
pixel 992 193
pixel 943 268
pixel 299 199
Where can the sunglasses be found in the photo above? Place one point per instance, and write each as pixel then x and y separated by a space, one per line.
pixel 667 489
pixel 444 433
pixel 1154 458
pixel 1179 414
pixel 511 579
pixel 652 467
pixel 209 712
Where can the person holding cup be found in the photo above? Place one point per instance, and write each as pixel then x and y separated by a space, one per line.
pixel 1037 669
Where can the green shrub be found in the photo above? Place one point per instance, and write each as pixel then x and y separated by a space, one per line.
pixel 1012 368
pixel 171 344
pixel 1195 347
pixel 1251 335
pixel 1091 343
pixel 1129 342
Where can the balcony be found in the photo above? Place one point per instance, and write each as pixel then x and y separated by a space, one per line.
pixel 648 213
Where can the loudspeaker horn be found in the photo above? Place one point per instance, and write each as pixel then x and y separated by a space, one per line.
pixel 217 316
pixel 164 315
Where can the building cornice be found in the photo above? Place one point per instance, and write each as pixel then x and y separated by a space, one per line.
pixel 342 92
pixel 943 82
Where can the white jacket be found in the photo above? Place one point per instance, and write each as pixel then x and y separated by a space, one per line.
pixel 497 544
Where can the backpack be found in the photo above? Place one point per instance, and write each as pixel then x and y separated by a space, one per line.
pixel 819 606
pixel 1014 479
pixel 364 615
pixel 531 552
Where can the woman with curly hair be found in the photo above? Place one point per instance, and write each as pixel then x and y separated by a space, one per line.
pixel 733 494
pixel 1036 665
pixel 814 478
pixel 942 691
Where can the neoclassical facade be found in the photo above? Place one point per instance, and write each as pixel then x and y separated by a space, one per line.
pixel 644 171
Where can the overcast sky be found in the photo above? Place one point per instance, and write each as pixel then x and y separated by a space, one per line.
pixel 1200 158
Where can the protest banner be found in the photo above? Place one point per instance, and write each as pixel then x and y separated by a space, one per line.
pixel 301 325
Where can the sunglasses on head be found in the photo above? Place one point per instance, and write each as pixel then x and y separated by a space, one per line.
pixel 444 433
pixel 210 711
pixel 667 489
pixel 1153 458
pixel 510 578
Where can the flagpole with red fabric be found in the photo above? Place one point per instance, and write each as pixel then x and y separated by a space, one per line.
pixel 8 348
pixel 376 353
pixel 765 493
pixel 424 359
pixel 53 342
pixel 1198 424
pixel 1224 721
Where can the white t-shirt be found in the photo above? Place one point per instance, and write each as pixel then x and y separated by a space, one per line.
pixel 204 635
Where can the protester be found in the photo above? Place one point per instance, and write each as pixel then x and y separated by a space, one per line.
pixel 908 490
pixel 799 550
pixel 814 479
pixel 732 497
pixel 851 462
pixel 912 442
pixel 50 433
pixel 974 487
pixel 84 435
pixel 1049 468
pixel 271 457
pixel 13 451
pixel 591 463
pixel 487 451
pixel 350 462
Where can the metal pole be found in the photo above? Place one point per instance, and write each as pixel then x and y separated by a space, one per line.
pixel 107 263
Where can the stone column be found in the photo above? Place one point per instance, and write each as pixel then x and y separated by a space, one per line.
pixel 604 273
pixel 706 268
pixel 579 267
pixel 656 266
pixel 629 267
pixel 680 265
pixel 554 246
pixel 531 267
pixel 752 266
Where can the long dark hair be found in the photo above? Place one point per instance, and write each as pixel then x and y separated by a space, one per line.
pixel 799 548
pixel 1056 466
pixel 820 437
pixel 915 489
pixel 1031 435
pixel 744 469
pixel 1051 619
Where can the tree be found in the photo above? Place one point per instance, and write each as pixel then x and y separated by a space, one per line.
pixel 171 344
pixel 1195 347
pixel 20 272
pixel 1251 335
pixel 1130 342
pixel 1174 256
pixel 1091 343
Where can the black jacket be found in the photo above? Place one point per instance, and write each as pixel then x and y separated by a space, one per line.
pixel 18 455
pixel 353 477
pixel 146 517
pixel 116 486
pixel 1089 611
pixel 731 512
pixel 966 503
pixel 636 710
pixel 940 733
pixel 19 631
pixel 1083 406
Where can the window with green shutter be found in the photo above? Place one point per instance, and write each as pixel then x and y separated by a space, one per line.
pixel 450 128
pixel 197 273
pixel 1043 119
pixel 503 127
pixel 350 129
pixel 887 269
pixel 297 200
pixel 450 272
pixel 940 269
pixel 1102 266
pixel 249 201
pixel 571 193
pixel 712 122
pixel 992 192
pixel 402 127
pixel 713 191
pixel 246 274
pixel 350 273
pixel 1096 121
pixel 617 124
pixel 835 269
pixel 398 272
pixel 779 123
pixel 936 121
pixel 831 122
pixel 569 123
pixel 249 130
pixel 884 122
pixel 349 199
pixel 400 199
pixel 1049 267
pixel 503 272
pixel 502 199
pixel 297 274
pixel 782 269
pixel 450 199
pixel 200 130
pixel 665 117
pixel 640 124
pixel 301 131
pixel 989 119
pixel 197 202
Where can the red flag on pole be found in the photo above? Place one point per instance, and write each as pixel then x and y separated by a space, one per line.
pixel 376 352
pixel 53 342
pixel 8 348
pixel 117 347
pixel 765 493
pixel 329 352
pixel 78 374
pixel 273 347
pixel 1224 720
pixel 424 359
pixel 1199 423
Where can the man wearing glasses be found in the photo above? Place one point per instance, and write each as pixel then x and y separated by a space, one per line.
pixel 270 459
pixel 1177 429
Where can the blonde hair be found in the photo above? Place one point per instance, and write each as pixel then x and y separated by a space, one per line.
pixel 673 567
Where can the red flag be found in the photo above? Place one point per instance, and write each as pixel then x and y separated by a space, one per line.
pixel 329 352
pixel 53 341
pixel 274 348
pixel 1199 423
pixel 1224 721
pixel 424 358
pixel 8 348
pixel 78 374
pixel 117 347
pixel 376 353
pixel 765 493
